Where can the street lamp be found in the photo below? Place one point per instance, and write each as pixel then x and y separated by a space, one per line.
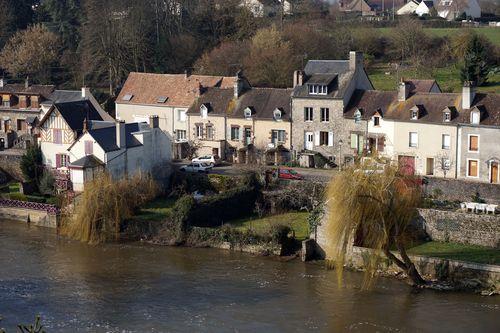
pixel 340 145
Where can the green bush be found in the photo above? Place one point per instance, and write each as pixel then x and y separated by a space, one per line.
pixel 221 183
pixel 36 198
pixel 18 196
pixel 184 183
pixel 319 161
pixel 181 214
pixel 279 233
pixel 47 183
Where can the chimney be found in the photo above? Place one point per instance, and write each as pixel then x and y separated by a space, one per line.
pixel 85 126
pixel 187 73
pixel 468 94
pixel 355 60
pixel 403 90
pixel 154 121
pixel 85 92
pixel 2 83
pixel 298 78
pixel 120 134
pixel 238 85
pixel 27 82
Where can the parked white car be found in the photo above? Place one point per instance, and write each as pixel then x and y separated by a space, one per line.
pixel 196 167
pixel 208 159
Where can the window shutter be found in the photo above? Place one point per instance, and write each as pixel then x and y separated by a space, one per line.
pixel 58 161
pixel 316 138
pixel 330 139
pixel 381 144
pixel 354 141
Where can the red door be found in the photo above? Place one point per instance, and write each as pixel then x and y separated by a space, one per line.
pixel 406 165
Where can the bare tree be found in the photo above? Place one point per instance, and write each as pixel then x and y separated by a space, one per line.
pixel 444 163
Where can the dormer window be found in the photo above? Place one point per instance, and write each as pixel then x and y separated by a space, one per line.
pixel 376 121
pixel 475 117
pixel 277 114
pixel 248 113
pixel 162 99
pixel 127 97
pixel 447 116
pixel 414 113
pixel 357 116
pixel 318 89
pixel 203 111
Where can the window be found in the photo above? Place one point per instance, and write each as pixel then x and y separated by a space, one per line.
pixel 248 113
pixel 474 117
pixel 235 133
pixel 21 125
pixel 446 163
pixel 278 136
pixel 57 136
pixel 473 143
pixel 162 99
pixel 181 115
pixel 413 139
pixel 181 135
pixel 199 131
pixel 317 89
pixel 357 116
pixel 446 141
pixel 204 111
pixel 277 114
pixel 376 121
pixel 447 116
pixel 6 103
pixel 62 160
pixel 472 168
pixel 323 138
pixel 325 114
pixel 89 147
pixel 414 114
pixel 210 132
pixel 308 114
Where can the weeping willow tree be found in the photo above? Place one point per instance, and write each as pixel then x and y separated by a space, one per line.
pixel 376 208
pixel 105 205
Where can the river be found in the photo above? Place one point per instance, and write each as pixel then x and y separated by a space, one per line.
pixel 137 288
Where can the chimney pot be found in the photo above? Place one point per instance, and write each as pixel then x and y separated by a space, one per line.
pixel 355 60
pixel 120 134
pixel 298 78
pixel 154 121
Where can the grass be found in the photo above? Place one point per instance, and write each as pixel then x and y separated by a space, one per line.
pixel 448 78
pixel 156 211
pixel 455 251
pixel 493 34
pixel 297 221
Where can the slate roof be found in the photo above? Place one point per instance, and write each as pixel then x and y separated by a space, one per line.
pixel 88 161
pixel 106 137
pixel 75 112
pixel 326 67
pixel 34 89
pixel 431 106
pixel 262 101
pixel 419 85
pixel 63 96
pixel 178 89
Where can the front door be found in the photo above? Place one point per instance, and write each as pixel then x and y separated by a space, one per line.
pixel 494 173
pixel 430 167
pixel 309 140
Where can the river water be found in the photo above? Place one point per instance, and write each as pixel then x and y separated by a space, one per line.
pixel 137 288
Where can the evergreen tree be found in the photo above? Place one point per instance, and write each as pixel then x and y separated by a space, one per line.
pixel 31 164
pixel 475 66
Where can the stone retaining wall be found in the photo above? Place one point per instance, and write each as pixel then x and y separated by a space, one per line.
pixel 463 190
pixel 461 227
pixel 11 164
pixel 37 217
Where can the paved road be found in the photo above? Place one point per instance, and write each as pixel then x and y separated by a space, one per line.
pixel 320 175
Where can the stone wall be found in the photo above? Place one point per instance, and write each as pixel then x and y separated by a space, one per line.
pixel 463 190
pixel 461 227
pixel 11 164
pixel 37 217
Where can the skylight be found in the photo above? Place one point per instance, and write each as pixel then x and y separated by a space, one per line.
pixel 127 97
pixel 162 99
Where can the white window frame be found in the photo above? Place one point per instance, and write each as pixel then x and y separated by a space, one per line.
pixel 414 114
pixel 277 114
pixel 182 115
pixel 447 116
pixel 199 131
pixel 237 131
pixel 410 142
pixel 475 113
pixel 443 146
pixel 203 111
pixel 317 89
pixel 378 119
pixel 467 167
pixel 308 114
pixel 248 113
pixel 478 144
pixel 181 137
pixel 322 112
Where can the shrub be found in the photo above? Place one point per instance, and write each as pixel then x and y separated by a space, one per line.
pixel 184 183
pixel 18 196
pixel 31 164
pixel 47 183
pixel 279 233
pixel 221 183
pixel 181 215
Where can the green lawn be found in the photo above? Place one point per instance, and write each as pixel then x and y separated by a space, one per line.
pixel 493 34
pixel 457 251
pixel 156 211
pixel 448 78
pixel 297 221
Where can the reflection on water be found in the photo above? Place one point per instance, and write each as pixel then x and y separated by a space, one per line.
pixel 135 288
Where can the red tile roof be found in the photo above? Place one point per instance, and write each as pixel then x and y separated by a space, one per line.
pixel 180 90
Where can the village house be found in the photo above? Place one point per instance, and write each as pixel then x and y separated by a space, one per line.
pixel 320 95
pixel 452 9
pixel 167 95
pixel 243 124
pixel 425 7
pixel 268 8
pixel 408 8
pixel 432 134
pixel 20 105
pixel 370 7
pixel 119 148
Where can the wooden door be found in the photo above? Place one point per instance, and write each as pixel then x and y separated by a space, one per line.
pixel 430 167
pixel 494 173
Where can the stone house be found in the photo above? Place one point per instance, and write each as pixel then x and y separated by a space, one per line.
pixel 119 148
pixel 167 95
pixel 20 105
pixel 243 124
pixel 451 9
pixel 268 8
pixel 320 95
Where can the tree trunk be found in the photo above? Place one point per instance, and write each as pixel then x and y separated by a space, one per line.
pixel 406 265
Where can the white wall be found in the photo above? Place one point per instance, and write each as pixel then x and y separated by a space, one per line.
pixel 385 128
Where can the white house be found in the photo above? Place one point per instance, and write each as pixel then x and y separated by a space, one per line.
pixel 263 8
pixel 451 9
pixel 424 8
pixel 119 148
pixel 409 8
